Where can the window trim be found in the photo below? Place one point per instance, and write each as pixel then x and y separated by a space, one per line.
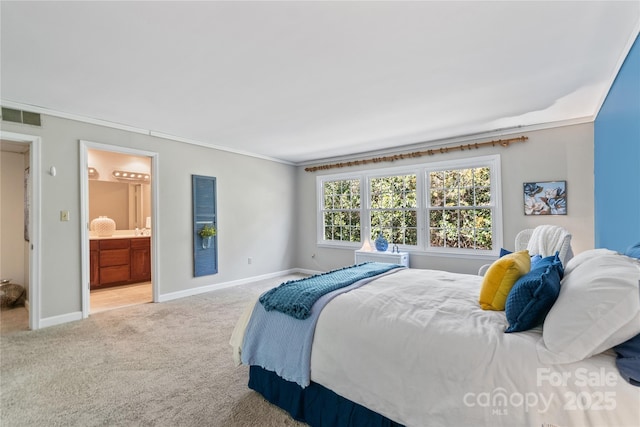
pixel 397 171
pixel 421 171
pixel 320 180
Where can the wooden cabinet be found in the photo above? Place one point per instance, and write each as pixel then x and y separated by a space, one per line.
pixel 120 261
pixel 140 260
pixel 94 263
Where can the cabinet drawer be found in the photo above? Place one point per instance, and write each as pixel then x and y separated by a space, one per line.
pixel 114 274
pixel 114 244
pixel 140 243
pixel 114 257
pixel 94 245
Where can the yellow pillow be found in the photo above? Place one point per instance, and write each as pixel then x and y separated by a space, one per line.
pixel 500 278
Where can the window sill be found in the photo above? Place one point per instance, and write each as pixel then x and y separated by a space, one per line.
pixel 417 252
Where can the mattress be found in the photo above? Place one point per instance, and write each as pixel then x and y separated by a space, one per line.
pixel 416 348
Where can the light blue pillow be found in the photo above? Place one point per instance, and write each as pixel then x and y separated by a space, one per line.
pixel 533 295
pixel 553 259
pixel 633 251
pixel 534 258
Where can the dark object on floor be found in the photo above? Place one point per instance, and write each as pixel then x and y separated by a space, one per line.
pixel 12 295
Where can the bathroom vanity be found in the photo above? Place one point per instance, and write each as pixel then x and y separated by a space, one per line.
pixel 119 260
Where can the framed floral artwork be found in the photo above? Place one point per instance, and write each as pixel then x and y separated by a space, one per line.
pixel 545 198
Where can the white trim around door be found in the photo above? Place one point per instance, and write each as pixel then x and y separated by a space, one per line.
pixel 35 218
pixel 84 214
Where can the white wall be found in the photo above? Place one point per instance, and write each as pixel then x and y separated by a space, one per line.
pixel 12 254
pixel 564 153
pixel 267 210
pixel 256 210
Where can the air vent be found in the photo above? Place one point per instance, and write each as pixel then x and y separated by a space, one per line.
pixel 11 115
pixel 19 116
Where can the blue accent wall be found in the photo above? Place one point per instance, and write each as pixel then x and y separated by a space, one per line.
pixel 617 159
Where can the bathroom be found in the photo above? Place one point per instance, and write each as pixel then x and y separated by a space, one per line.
pixel 120 229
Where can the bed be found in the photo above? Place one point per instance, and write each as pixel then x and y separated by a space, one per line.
pixel 414 347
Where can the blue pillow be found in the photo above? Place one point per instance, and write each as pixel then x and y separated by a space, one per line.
pixel 504 252
pixel 628 360
pixel 633 251
pixel 535 259
pixel 533 295
pixel 547 261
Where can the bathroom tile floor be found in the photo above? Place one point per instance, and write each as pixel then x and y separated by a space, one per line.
pixel 120 296
pixel 17 319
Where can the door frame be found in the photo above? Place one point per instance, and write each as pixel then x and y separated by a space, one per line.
pixel 85 146
pixel 35 222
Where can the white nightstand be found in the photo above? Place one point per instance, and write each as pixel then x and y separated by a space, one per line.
pixel 401 258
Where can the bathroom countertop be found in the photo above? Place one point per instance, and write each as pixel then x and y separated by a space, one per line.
pixel 117 236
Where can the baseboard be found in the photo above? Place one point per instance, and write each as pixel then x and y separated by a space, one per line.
pixel 70 317
pixel 305 271
pixel 58 320
pixel 203 289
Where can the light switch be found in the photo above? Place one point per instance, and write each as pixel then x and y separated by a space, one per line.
pixel 64 215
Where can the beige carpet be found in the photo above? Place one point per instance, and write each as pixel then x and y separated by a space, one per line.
pixel 165 364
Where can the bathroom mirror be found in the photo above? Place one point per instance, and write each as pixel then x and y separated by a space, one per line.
pixel 127 204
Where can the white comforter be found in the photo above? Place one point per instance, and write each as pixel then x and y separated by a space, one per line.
pixel 416 347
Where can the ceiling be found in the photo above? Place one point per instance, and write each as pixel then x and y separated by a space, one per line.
pixel 13 147
pixel 302 81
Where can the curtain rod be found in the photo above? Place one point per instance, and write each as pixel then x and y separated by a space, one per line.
pixel 502 142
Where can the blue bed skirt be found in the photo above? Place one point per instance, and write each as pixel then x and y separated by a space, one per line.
pixel 315 405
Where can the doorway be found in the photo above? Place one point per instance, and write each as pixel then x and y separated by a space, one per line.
pixel 119 214
pixel 20 263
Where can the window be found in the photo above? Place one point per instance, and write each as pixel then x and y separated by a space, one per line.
pixel 394 208
pixel 341 210
pixel 459 206
pixel 450 207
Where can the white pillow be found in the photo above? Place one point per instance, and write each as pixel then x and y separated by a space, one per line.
pixel 584 257
pixel 598 308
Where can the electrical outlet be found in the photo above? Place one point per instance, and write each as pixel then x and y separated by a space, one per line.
pixel 249 260
pixel 64 215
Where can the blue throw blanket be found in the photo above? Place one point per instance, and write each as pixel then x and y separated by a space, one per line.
pixel 281 343
pixel 296 297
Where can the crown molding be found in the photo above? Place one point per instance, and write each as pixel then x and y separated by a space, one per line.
pixel 436 143
pixel 120 126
